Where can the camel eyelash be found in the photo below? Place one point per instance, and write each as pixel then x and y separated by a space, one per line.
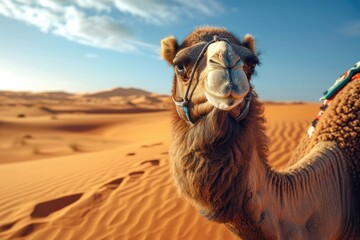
pixel 182 59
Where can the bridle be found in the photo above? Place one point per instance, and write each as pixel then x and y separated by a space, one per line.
pixel 184 102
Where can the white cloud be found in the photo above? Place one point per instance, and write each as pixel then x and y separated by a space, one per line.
pixel 93 22
pixel 207 7
pixel 155 11
pixel 166 11
pixel 99 5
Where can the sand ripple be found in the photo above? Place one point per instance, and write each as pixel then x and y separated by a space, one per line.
pixel 123 191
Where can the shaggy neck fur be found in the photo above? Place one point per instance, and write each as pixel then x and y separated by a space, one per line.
pixel 221 166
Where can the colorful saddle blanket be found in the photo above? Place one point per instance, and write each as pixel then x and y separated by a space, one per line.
pixel 329 95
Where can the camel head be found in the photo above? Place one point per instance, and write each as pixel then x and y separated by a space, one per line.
pixel 212 69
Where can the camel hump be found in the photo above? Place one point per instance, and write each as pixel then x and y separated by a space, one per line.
pixel 341 124
pixel 341 119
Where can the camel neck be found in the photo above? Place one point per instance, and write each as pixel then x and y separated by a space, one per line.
pixel 296 204
pixel 210 160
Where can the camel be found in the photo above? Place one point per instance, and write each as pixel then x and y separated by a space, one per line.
pixel 218 150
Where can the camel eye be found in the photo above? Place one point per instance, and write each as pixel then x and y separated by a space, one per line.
pixel 180 69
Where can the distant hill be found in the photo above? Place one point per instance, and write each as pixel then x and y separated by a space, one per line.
pixel 38 95
pixel 119 92
pixel 117 100
pixel 116 92
pixel 55 95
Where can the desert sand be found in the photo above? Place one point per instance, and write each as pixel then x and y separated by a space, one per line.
pixel 95 166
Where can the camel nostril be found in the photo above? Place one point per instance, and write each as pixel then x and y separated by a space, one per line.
pixel 233 59
pixel 215 62
pixel 238 64
pixel 224 58
pixel 226 62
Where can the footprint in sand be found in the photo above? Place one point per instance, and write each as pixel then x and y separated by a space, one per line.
pixel 104 191
pixel 136 175
pixel 44 209
pixel 7 226
pixel 90 202
pixel 154 162
pixel 28 229
pixel 113 184
pixel 151 145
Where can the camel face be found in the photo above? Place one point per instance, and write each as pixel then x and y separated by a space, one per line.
pixel 212 69
pixel 226 83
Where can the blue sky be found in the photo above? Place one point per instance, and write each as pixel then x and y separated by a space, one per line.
pixel 87 46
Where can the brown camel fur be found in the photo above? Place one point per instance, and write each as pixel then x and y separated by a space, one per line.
pixel 220 164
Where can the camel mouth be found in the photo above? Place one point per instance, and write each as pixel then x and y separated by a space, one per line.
pixel 223 103
pixel 226 89
pixel 228 95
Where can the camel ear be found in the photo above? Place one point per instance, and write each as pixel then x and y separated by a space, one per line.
pixel 249 42
pixel 169 47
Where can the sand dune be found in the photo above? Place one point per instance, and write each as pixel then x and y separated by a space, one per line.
pixel 118 92
pixel 105 176
pixel 118 100
pixel 287 124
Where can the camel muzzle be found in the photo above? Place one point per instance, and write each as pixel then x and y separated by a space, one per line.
pixel 226 84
